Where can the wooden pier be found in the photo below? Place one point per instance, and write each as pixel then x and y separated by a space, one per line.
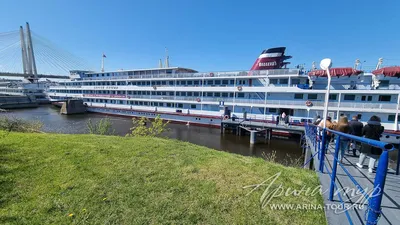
pixel 240 127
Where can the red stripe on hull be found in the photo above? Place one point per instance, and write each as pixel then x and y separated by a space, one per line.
pixel 172 121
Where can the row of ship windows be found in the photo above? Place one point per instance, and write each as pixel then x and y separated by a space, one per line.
pixel 332 97
pixel 391 117
pixel 346 97
pixel 181 82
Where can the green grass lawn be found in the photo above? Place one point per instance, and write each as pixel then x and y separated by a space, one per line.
pixel 87 179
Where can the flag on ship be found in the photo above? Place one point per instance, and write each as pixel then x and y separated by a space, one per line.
pixel 104 56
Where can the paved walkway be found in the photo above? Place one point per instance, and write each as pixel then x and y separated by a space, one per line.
pixel 391 198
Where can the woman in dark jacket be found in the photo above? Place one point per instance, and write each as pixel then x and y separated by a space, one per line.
pixel 372 130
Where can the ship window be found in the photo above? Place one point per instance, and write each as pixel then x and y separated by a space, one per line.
pixel 168 104
pixel 218 82
pixel 225 82
pixel 224 94
pixel 283 81
pixel 171 82
pixel 209 94
pixel 196 94
pixel 217 94
pixel 179 105
pixel 161 104
pixel 363 98
pixel 192 106
pixel 349 97
pixel 272 110
pixel 385 98
pixel 164 93
pixel 210 82
pixel 231 95
pixel 240 95
pixel 177 93
pixel 384 84
pixel 333 97
pixel 312 96
pixel 145 103
pixel 148 83
pixel 391 118
pixel 298 96
pixel 171 93
pixel 189 82
pixel 196 82
pixel 295 81
pixel 273 81
pixel 183 93
pixel 369 98
pixel 231 82
pixel 189 94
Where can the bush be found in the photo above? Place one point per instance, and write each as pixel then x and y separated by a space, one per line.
pixel 156 128
pixel 101 127
pixel 10 124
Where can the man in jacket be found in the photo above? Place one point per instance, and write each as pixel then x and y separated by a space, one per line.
pixel 356 130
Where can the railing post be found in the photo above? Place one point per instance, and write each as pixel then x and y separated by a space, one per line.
pixel 374 207
pixel 334 169
pixel 322 151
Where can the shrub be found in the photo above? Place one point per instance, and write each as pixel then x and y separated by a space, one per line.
pixel 101 127
pixel 156 128
pixel 10 124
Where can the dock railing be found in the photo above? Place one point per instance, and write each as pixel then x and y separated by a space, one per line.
pixel 318 138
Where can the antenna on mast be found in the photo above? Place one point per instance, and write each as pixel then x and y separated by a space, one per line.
pixel 166 58
pixel 313 66
pixel 160 64
pixel 356 64
pixel 378 66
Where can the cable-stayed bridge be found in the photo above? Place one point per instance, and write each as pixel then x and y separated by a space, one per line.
pixel 23 53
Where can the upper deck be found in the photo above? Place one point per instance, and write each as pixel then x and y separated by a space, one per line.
pixel 184 73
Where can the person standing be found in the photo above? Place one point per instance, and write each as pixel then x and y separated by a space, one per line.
pixel 356 130
pixel 317 120
pixel 329 125
pixel 343 126
pixel 372 130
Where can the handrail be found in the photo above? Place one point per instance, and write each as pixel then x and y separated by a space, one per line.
pixel 375 143
pixel 373 212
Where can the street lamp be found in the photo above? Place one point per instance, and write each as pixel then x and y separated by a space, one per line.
pixel 326 65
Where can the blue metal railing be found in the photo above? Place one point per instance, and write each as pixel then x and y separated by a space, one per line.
pixel 318 138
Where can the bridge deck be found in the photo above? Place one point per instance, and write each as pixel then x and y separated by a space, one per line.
pixel 391 197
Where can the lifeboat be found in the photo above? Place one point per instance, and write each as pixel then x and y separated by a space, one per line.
pixel 392 71
pixel 336 72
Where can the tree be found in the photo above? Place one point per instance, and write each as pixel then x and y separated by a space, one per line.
pixel 156 128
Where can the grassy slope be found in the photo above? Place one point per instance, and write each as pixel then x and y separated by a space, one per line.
pixel 116 180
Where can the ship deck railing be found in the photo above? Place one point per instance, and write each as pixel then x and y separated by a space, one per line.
pixel 286 103
pixel 202 75
pixel 353 195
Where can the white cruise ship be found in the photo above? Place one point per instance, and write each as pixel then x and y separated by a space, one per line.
pixel 265 91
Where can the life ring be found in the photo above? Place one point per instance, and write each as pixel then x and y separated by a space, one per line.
pixel 211 74
pixel 198 99
pixel 226 117
pixel 308 103
pixel 240 88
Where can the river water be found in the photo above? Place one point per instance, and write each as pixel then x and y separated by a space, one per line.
pixel 285 150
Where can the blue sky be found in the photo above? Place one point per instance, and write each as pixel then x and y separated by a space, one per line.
pixel 212 35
